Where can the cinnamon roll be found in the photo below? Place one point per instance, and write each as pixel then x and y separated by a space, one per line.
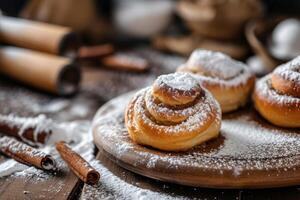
pixel 175 114
pixel 277 95
pixel 230 81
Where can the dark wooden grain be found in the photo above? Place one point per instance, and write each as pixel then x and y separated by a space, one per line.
pixel 57 187
pixel 288 193
pixel 98 85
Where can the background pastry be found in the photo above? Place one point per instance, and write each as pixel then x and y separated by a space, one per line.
pixel 277 95
pixel 230 81
pixel 174 114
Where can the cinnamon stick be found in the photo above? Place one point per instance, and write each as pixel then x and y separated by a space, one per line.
pixel 33 131
pixel 26 154
pixel 77 164
pixel 89 52
pixel 125 62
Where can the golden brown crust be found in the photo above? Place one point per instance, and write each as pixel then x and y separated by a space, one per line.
pixel 228 80
pixel 273 96
pixel 168 127
pixel 286 79
pixel 164 91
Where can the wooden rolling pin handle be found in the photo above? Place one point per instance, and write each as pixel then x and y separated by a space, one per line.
pixel 69 45
pixel 51 73
pixel 38 36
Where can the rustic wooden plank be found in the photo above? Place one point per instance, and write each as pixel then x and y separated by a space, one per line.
pixel 98 85
pixel 174 190
pixel 56 187
pixel 28 102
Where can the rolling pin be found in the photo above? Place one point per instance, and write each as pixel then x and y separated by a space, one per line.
pixel 55 74
pixel 38 36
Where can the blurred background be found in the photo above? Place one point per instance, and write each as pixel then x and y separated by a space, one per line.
pixel 262 33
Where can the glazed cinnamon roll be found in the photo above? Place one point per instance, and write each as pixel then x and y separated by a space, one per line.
pixel 228 80
pixel 277 95
pixel 175 114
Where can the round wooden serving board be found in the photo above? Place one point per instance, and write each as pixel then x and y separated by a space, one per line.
pixel 250 152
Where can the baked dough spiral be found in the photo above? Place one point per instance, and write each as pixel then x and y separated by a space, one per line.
pixel 230 81
pixel 175 114
pixel 277 95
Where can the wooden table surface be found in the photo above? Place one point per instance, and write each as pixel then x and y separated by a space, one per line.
pixel 178 191
pixel 98 86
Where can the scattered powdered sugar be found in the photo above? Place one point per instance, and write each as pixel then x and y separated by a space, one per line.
pixel 216 64
pixel 237 170
pixel 16 147
pixel 249 138
pixel 216 68
pixel 39 124
pixel 264 88
pixel 52 107
pixel 10 166
pixel 79 110
pixel 23 102
pixel 76 133
pixel 29 172
pixel 112 187
pixel 244 144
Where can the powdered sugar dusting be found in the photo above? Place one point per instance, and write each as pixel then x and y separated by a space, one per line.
pixel 206 107
pixel 76 133
pixel 168 113
pixel 264 88
pixel 16 147
pixel 179 81
pixel 216 68
pixel 245 145
pixel 112 187
pixel 290 70
pixel 39 124
pixel 216 63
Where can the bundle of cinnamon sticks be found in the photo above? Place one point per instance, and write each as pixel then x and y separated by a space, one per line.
pixel 32 132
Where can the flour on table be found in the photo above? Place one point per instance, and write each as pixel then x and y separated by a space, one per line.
pixel 76 133
pixel 51 107
pixel 112 187
pixel 10 166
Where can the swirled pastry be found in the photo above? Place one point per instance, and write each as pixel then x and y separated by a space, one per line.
pixel 277 95
pixel 228 80
pixel 175 114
